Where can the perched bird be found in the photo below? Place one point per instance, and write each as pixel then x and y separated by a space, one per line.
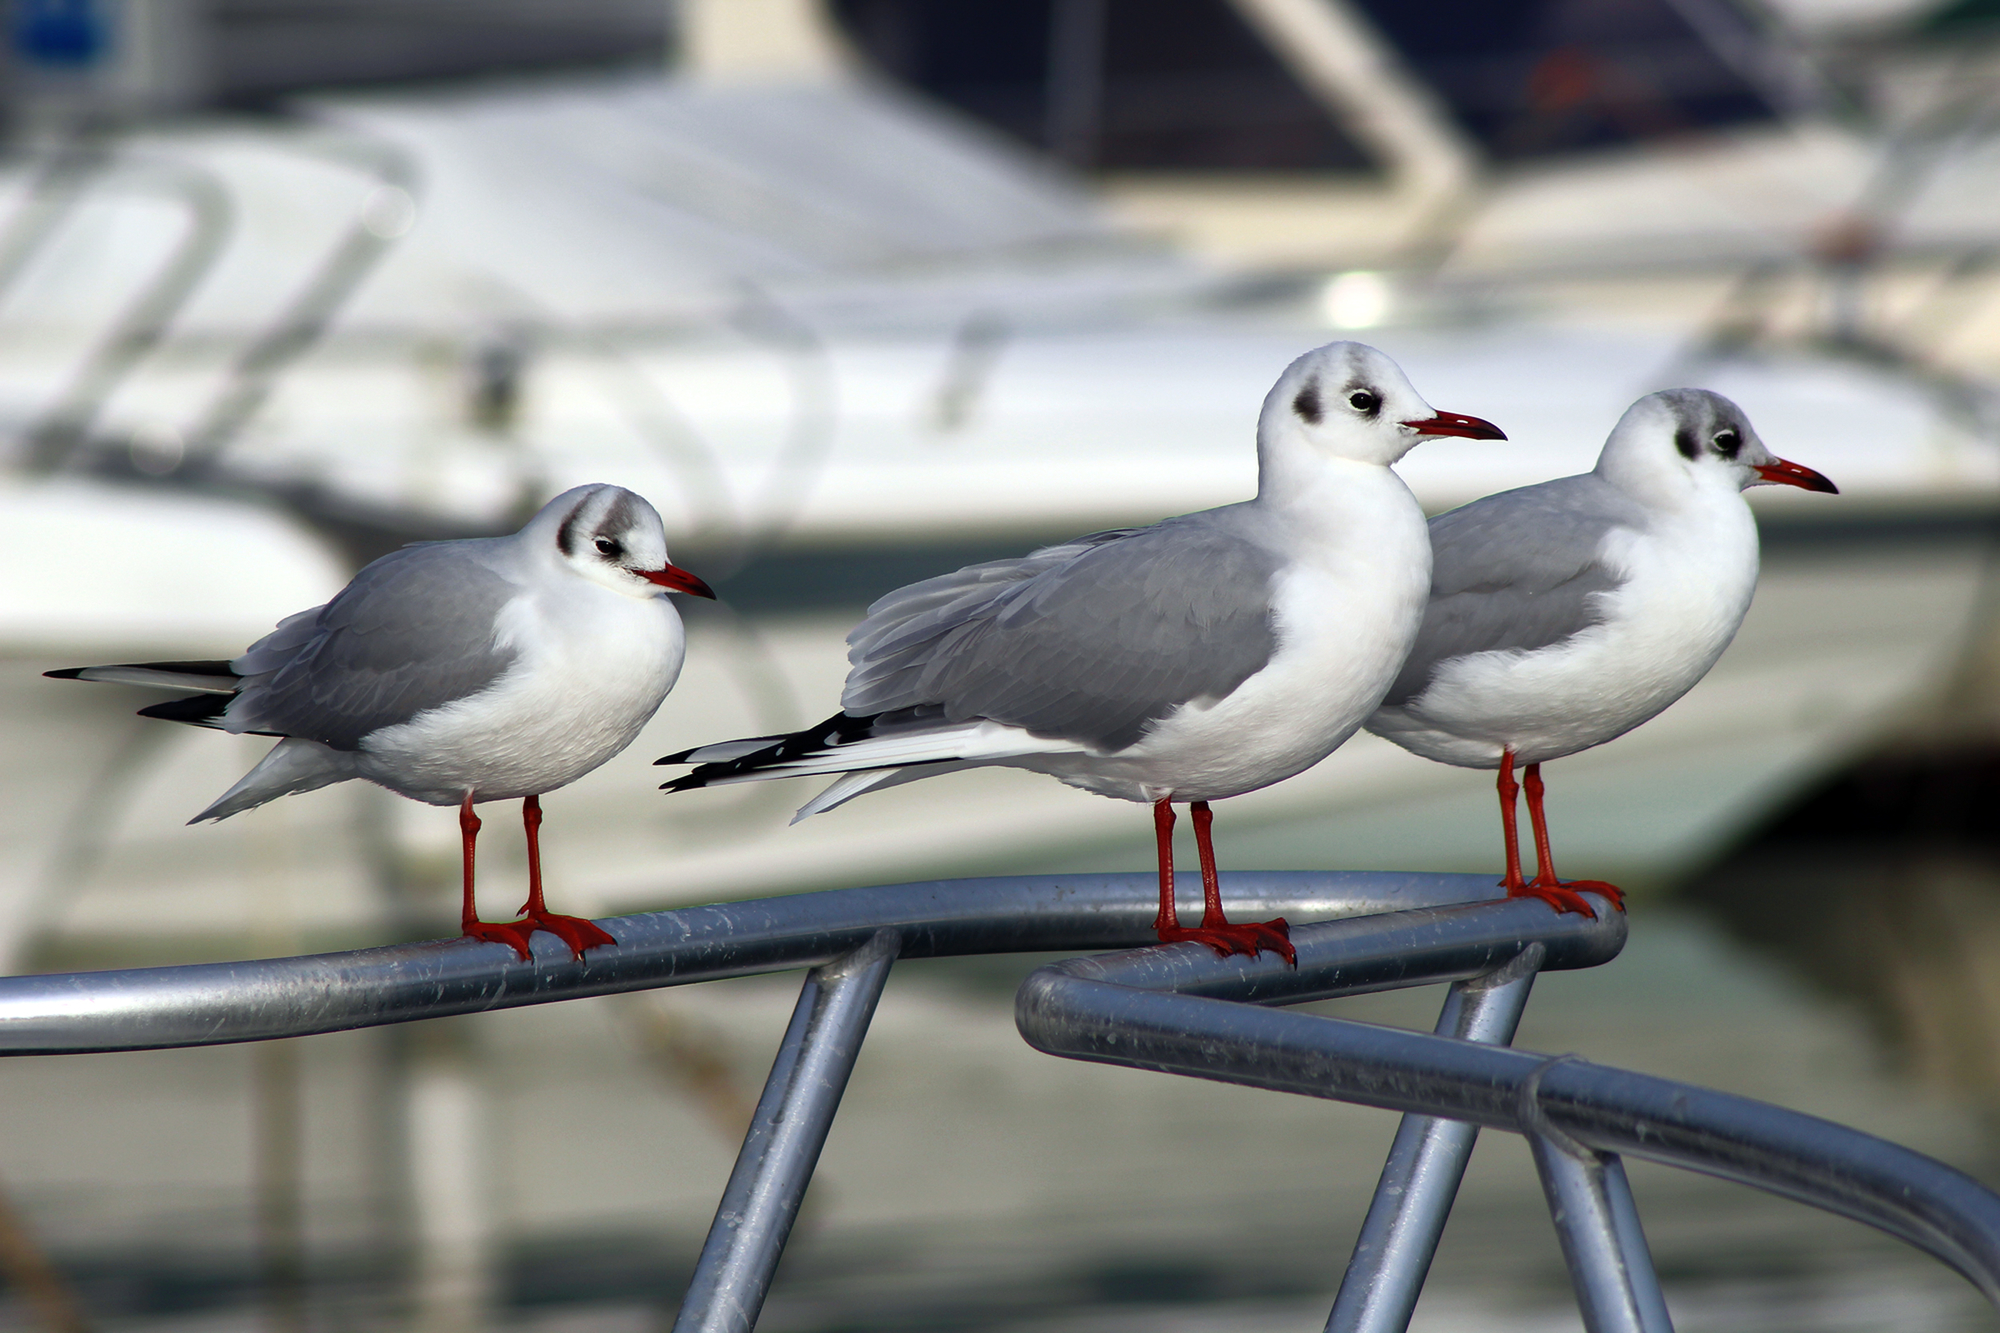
pixel 1201 657
pixel 1564 614
pixel 458 672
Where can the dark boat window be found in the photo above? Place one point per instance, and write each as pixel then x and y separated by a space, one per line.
pixel 1188 85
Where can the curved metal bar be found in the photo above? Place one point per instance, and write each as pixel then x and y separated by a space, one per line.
pixel 1092 1009
pixel 1597 1224
pixel 1420 1180
pixel 761 1201
pixel 214 1003
pixel 1387 949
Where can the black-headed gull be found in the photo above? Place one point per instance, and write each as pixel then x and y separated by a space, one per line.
pixel 1564 614
pixel 458 672
pixel 1202 657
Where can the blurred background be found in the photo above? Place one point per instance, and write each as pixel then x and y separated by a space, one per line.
pixel 857 292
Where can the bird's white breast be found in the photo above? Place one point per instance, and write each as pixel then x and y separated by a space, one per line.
pixel 1687 580
pixel 592 668
pixel 1346 607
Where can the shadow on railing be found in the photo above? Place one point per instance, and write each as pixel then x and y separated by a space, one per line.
pixel 1178 1009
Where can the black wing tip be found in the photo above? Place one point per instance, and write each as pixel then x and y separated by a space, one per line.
pixel 200 710
pixel 836 730
pixel 66 673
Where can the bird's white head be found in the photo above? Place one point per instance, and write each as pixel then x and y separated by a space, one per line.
pixel 611 536
pixel 1347 400
pixel 1679 443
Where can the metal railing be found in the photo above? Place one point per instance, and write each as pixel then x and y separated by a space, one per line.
pixel 1177 1009
pixel 1171 1011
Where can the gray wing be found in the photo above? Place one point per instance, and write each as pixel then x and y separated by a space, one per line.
pixel 1515 570
pixel 1091 641
pixel 413 631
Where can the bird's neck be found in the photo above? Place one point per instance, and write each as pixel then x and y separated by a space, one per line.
pixel 1678 498
pixel 1338 498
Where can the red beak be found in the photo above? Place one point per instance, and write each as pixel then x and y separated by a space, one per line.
pixel 675 579
pixel 1454 423
pixel 1791 474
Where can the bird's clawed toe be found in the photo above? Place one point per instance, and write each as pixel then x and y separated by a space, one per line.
pixel 1612 892
pixel 574 931
pixel 513 934
pixel 1247 938
pixel 1567 896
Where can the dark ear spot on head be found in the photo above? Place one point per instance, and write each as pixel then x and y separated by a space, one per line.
pixel 1685 441
pixel 1307 404
pixel 566 535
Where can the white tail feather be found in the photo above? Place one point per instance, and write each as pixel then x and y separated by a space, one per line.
pixel 985 741
pixel 850 786
pixel 294 765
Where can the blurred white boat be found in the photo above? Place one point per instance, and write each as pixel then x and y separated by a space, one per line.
pixel 818 321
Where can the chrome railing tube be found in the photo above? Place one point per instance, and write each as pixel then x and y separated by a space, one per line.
pixel 1597 1222
pixel 212 1003
pixel 1094 1009
pixel 1426 1164
pixel 786 1134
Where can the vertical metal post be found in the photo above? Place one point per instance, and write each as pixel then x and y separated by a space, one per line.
pixel 1420 1180
pixel 786 1134
pixel 1590 1202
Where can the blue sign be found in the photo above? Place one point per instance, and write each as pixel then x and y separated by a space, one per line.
pixel 68 34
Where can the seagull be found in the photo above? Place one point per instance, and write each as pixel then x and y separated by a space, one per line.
pixel 457 672
pixel 1564 614
pixel 1202 657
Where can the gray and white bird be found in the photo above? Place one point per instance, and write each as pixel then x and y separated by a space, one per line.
pixel 1563 615
pixel 456 672
pixel 1201 657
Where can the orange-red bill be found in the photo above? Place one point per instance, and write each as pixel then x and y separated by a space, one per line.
pixel 1791 474
pixel 676 579
pixel 1457 423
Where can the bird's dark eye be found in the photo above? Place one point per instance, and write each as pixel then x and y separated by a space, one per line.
pixel 1364 402
pixel 1727 442
pixel 608 547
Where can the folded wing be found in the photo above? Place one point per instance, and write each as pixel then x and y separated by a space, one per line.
pixel 1091 641
pixel 415 630
pixel 1520 570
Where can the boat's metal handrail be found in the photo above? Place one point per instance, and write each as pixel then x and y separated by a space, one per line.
pixel 1172 1011
pixel 213 1003
pixel 1179 1009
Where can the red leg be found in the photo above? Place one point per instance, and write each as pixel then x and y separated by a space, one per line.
pixel 1211 880
pixel 1215 930
pixel 531 825
pixel 577 933
pixel 1545 882
pixel 469 924
pixel 574 931
pixel 1169 917
pixel 1275 934
pixel 468 834
pixel 1510 791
